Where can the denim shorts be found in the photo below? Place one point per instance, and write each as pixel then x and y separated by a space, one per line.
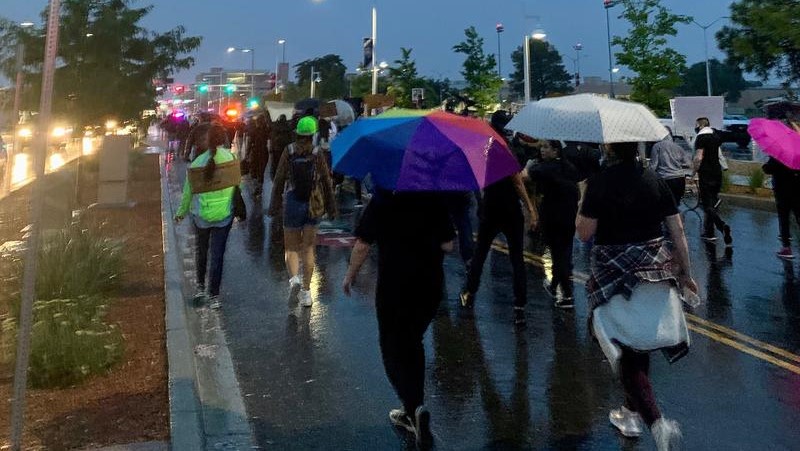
pixel 295 213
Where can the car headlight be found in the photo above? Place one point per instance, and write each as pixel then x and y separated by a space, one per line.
pixel 25 132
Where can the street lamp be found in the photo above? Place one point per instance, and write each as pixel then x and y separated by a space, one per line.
pixel 315 78
pixel 608 4
pixel 538 35
pixel 705 44
pixel 281 42
pixel 500 28
pixel 252 53
pixel 578 48
pixel 17 104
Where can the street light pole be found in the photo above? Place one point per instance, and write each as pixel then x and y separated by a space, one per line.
pixel 374 50
pixel 500 28
pixel 578 47
pixel 705 28
pixel 527 69
pixel 608 5
pixel 17 105
pixel 281 42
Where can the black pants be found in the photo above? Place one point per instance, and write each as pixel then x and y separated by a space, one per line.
pixel 709 196
pixel 634 370
pixel 460 215
pixel 677 186
pixel 212 240
pixel 559 238
pixel 787 201
pixel 512 227
pixel 402 322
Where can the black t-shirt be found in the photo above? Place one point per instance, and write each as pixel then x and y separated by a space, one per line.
pixel 557 181
pixel 501 200
pixel 409 229
pixel 629 203
pixel 710 171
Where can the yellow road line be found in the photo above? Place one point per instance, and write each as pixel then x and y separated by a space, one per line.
pixel 747 350
pixel 696 324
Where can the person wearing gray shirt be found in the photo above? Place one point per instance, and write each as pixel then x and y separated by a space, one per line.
pixel 668 160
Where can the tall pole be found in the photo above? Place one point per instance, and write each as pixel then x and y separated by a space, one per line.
pixel 610 56
pixel 374 50
pixel 15 116
pixel 708 65
pixel 311 91
pixel 500 28
pixel 252 73
pixel 578 47
pixel 527 68
pixel 32 249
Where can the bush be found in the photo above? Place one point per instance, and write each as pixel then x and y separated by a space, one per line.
pixel 726 182
pixel 756 179
pixel 78 270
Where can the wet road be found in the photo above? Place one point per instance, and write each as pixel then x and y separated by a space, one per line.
pixel 313 378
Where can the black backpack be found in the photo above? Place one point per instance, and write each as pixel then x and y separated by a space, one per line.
pixel 302 173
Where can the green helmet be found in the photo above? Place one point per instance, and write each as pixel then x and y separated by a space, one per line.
pixel 306 126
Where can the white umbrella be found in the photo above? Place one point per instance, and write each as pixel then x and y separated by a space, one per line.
pixel 345 115
pixel 588 118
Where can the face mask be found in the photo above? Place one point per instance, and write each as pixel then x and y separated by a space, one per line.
pixel 697 129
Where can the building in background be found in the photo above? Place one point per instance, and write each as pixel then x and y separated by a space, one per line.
pixel 219 87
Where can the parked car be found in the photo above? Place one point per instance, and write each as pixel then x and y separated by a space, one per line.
pixel 735 130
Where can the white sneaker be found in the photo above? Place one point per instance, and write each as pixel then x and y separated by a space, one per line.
pixel 213 303
pixel 305 298
pixel 628 423
pixel 667 435
pixel 294 287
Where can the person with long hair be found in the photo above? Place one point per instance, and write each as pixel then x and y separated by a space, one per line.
pixel 302 189
pixel 212 212
pixel 634 291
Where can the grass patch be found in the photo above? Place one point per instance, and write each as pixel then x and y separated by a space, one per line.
pixel 726 182
pixel 78 272
pixel 755 179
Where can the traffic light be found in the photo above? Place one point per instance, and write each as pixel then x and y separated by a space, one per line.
pixel 230 88
pixel 179 89
pixel 202 88
pixel 252 103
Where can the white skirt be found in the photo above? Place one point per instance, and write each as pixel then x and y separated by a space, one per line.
pixel 650 320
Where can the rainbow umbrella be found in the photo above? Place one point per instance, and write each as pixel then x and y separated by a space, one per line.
pixel 418 150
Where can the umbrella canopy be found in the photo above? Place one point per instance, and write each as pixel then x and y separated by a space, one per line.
pixel 588 118
pixel 345 115
pixel 304 105
pixel 777 140
pixel 415 150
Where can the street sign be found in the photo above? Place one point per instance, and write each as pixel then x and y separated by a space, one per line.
pixel 417 94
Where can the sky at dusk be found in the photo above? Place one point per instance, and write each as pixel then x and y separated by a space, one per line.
pixel 314 28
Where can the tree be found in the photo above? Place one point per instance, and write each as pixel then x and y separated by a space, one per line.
pixel 331 73
pixel 658 68
pixel 107 60
pixel 403 78
pixel 548 75
pixel 726 79
pixel 483 83
pixel 763 38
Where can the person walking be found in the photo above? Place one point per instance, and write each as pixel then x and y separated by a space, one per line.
pixel 557 181
pixel 709 170
pixel 280 137
pixel 634 289
pixel 412 232
pixel 302 189
pixel 668 161
pixel 212 212
pixel 786 188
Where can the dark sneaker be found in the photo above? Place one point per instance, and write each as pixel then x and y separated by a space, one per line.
pixel 548 288
pixel 727 236
pixel 423 428
pixel 565 303
pixel 708 238
pixel 400 419
pixel 785 253
pixel 467 299
pixel 519 316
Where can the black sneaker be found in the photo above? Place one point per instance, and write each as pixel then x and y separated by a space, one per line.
pixel 423 428
pixel 565 303
pixel 519 316
pixel 467 299
pixel 727 236
pixel 548 288
pixel 400 419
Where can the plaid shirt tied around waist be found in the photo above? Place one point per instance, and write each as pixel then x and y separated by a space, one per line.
pixel 618 269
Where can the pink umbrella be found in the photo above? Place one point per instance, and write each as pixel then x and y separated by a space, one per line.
pixel 777 140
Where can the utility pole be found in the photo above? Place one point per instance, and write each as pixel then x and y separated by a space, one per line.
pixel 374 50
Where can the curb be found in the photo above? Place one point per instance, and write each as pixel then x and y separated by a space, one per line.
pixel 755 203
pixel 206 405
pixel 184 403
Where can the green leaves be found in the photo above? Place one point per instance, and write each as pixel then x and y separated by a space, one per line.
pixel 548 75
pixel 644 50
pixel 483 83
pixel 764 38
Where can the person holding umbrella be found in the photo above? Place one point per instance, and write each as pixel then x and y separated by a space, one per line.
pixel 302 190
pixel 413 157
pixel 709 171
pixel 634 288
